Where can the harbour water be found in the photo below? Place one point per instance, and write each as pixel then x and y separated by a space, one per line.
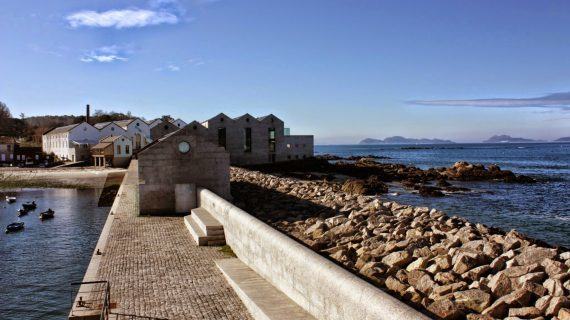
pixel 539 210
pixel 38 264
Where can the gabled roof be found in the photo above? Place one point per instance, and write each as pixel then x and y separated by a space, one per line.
pixel 63 129
pixel 219 115
pixel 245 116
pixel 268 117
pixel 102 125
pixel 102 145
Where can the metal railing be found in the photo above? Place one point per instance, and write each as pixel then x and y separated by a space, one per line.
pixel 97 299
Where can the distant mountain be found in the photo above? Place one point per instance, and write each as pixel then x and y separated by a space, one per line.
pixel 403 140
pixel 503 138
pixel 563 139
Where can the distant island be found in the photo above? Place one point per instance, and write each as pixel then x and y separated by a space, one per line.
pixel 503 138
pixel 563 139
pixel 403 140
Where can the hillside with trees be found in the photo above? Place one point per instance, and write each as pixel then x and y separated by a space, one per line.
pixel 30 129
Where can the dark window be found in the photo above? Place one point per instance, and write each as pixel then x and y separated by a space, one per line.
pixel 246 119
pixel 222 137
pixel 9 147
pixel 289 157
pixel 165 127
pixel 222 119
pixel 112 129
pixel 247 144
pixel 195 127
pixel 271 139
pixel 127 149
pixel 138 124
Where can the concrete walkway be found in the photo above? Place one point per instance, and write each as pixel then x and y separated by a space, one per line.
pixel 156 270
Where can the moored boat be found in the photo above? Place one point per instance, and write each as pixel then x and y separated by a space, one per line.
pixel 13 227
pixel 22 212
pixel 47 214
pixel 29 205
pixel 10 199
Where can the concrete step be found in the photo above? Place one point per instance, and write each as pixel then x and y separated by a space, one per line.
pixel 261 299
pixel 209 225
pixel 200 237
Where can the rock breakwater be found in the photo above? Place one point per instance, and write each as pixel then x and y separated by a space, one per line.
pixel 446 266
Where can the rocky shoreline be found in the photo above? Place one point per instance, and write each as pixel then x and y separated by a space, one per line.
pixel 374 175
pixel 446 266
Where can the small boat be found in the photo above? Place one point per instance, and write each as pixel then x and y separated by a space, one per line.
pixel 16 226
pixel 22 212
pixel 29 205
pixel 47 214
pixel 10 199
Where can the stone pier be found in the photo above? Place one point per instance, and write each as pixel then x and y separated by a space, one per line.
pixel 155 269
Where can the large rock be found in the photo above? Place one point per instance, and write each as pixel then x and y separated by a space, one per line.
pixel 525 312
pixel 445 309
pixel 500 285
pixel 533 254
pixel 554 287
pixel 397 259
pixel 425 284
pixel 564 314
pixel 395 285
pixel 556 304
pixel 499 309
pixel 474 299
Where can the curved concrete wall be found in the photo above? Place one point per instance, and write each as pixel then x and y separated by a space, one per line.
pixel 324 289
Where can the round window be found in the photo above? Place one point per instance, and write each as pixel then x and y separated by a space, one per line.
pixel 183 147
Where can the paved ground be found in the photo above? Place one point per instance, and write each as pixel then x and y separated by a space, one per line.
pixel 155 268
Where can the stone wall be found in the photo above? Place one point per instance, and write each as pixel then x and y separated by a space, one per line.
pixel 319 286
pixel 162 166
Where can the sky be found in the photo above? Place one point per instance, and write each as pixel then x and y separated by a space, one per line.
pixel 342 70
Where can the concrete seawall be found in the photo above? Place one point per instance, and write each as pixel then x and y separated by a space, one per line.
pixel 324 289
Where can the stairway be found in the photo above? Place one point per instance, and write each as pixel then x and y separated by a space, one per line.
pixel 204 228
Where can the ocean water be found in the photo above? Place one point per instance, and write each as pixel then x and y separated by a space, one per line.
pixel 38 264
pixel 540 210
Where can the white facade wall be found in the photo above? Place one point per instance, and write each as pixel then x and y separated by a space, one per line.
pixel 139 132
pixel 122 147
pixel 111 129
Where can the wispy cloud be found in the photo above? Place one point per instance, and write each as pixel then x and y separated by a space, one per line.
pixel 108 54
pixel 170 67
pixel 196 62
pixel 559 100
pixel 119 19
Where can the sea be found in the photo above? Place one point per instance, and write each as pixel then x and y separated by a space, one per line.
pixel 38 264
pixel 540 210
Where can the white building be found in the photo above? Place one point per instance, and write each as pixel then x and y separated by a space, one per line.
pixel 71 143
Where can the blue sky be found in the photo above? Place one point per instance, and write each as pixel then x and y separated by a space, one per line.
pixel 341 70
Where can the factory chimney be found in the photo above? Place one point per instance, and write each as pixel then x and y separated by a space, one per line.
pixel 87 114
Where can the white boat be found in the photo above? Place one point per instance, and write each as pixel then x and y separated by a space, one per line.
pixel 10 199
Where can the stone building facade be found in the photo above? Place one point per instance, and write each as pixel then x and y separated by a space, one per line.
pixel 251 140
pixel 173 167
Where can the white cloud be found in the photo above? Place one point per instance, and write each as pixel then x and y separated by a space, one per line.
pixel 102 58
pixel 560 100
pixel 119 19
pixel 107 54
pixel 170 67
pixel 196 62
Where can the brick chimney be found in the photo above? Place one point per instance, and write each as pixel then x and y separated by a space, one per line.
pixel 87 114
